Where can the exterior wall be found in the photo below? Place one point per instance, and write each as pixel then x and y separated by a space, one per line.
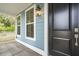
pixel 39 43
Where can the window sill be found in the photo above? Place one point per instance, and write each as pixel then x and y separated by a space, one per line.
pixel 18 35
pixel 29 38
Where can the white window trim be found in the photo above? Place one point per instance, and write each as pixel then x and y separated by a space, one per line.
pixel 30 38
pixel 18 25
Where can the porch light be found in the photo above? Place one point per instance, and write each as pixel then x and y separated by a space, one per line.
pixel 38 10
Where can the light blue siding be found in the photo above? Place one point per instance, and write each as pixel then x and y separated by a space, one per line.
pixel 39 43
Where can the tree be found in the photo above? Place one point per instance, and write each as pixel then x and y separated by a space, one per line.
pixel 2 19
pixel 7 22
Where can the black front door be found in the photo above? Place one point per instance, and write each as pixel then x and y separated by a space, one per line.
pixel 63 22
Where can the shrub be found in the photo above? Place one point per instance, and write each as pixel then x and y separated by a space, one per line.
pixel 7 23
pixel 8 28
pixel 2 28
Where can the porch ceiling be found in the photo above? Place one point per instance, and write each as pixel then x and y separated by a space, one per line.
pixel 13 8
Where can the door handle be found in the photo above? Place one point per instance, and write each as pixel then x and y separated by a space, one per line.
pixel 76 42
pixel 76 39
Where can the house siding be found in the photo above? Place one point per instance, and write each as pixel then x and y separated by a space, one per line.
pixel 39 43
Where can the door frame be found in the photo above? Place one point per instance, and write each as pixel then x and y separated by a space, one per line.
pixel 50 27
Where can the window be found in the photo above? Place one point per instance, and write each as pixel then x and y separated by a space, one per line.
pixel 19 25
pixel 30 23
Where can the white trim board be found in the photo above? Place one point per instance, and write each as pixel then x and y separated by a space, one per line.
pixel 41 52
pixel 46 28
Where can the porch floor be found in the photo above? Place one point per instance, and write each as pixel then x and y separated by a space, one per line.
pixel 16 49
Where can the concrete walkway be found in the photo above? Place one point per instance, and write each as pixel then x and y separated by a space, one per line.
pixel 7 37
pixel 16 49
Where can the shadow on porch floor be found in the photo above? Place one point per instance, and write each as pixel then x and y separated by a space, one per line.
pixel 16 49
